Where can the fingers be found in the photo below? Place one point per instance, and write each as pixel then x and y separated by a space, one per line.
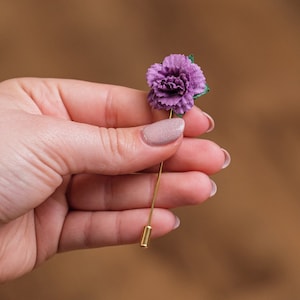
pixel 97 229
pixel 196 155
pixel 96 192
pixel 197 122
pixel 115 106
pixel 126 150
pixel 104 105
pixel 101 105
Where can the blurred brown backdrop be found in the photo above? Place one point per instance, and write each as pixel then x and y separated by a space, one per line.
pixel 245 242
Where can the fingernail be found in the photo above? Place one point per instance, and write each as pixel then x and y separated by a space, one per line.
pixel 227 159
pixel 211 122
pixel 163 132
pixel 213 188
pixel 177 223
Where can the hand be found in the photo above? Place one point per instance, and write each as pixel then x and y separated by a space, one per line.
pixel 78 168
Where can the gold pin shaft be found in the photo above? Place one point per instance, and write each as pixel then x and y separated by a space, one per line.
pixel 145 240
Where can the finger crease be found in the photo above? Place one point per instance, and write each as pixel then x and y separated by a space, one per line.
pixel 110 114
pixel 118 224
pixel 108 193
pixel 86 231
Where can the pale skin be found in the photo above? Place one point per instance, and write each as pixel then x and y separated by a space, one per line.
pixel 68 153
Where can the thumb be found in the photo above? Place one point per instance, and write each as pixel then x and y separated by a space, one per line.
pixel 111 151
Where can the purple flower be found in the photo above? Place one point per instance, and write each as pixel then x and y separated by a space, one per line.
pixel 175 83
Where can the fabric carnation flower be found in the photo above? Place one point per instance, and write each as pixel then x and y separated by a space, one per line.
pixel 175 83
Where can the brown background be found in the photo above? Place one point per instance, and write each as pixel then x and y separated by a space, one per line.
pixel 245 242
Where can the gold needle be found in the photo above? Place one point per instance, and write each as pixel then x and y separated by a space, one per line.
pixel 148 228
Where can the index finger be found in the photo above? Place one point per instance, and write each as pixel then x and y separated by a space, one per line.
pixel 116 106
pixel 104 105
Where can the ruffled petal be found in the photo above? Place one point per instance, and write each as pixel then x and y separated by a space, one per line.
pixel 154 73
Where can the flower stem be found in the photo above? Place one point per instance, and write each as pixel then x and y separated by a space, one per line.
pixel 148 228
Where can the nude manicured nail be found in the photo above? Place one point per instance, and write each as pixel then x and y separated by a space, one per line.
pixel 163 132
pixel 211 122
pixel 213 188
pixel 177 223
pixel 227 159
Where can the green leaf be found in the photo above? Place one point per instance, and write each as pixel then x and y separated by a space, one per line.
pixel 191 57
pixel 179 115
pixel 207 89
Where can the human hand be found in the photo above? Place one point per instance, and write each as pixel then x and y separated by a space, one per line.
pixel 78 168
